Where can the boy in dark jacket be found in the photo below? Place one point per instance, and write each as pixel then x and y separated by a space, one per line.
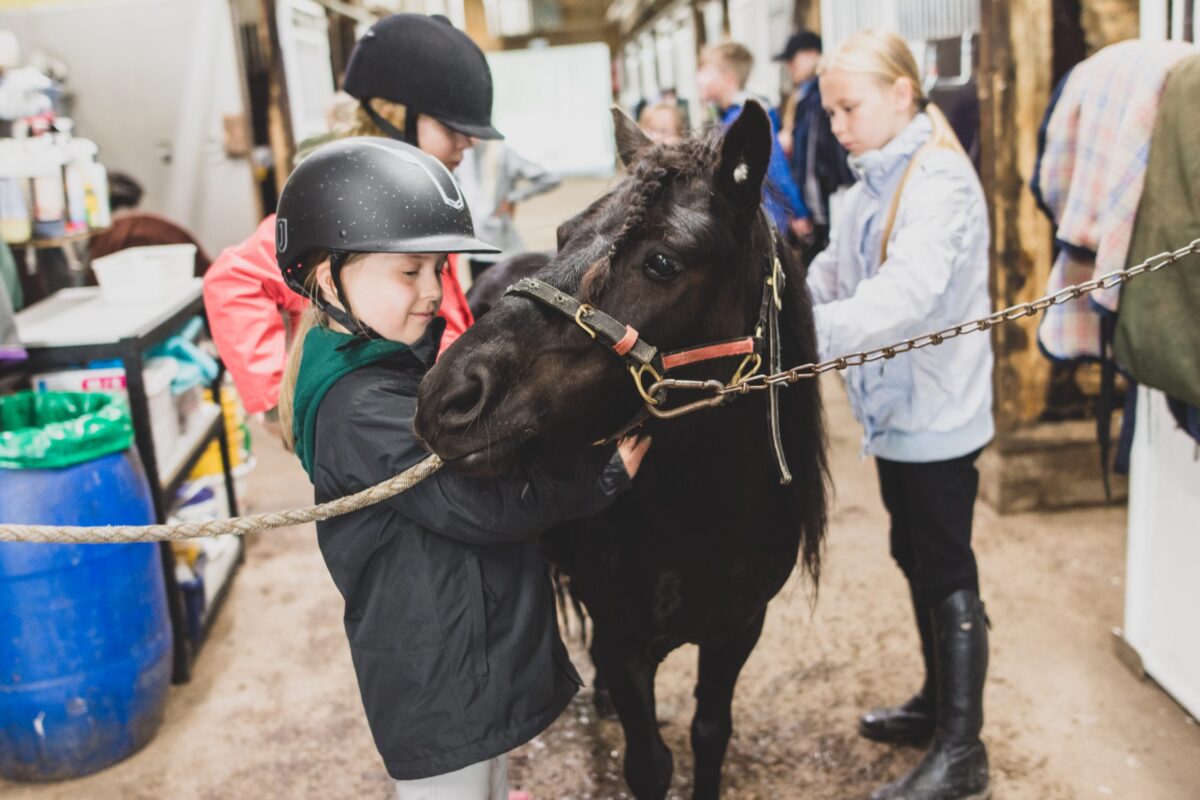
pixel 818 162
pixel 449 609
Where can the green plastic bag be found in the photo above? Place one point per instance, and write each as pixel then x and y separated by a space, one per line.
pixel 51 430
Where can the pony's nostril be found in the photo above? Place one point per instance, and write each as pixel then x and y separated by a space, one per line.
pixel 464 401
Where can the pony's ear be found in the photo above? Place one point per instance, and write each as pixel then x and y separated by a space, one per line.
pixel 630 138
pixel 745 154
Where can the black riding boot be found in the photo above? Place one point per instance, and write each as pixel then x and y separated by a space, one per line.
pixel 912 722
pixel 956 766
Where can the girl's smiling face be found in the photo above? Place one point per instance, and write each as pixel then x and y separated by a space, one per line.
pixel 396 294
pixel 866 113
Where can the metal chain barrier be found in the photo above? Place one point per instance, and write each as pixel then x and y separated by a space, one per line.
pixel 122 534
pixel 787 377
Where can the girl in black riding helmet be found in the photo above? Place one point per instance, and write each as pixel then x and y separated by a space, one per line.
pixel 415 79
pixel 449 609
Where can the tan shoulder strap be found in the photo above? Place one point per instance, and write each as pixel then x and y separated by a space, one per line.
pixel 895 204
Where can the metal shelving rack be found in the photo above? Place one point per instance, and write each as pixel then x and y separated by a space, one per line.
pixel 75 326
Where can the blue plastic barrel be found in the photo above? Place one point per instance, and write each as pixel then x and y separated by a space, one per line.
pixel 85 638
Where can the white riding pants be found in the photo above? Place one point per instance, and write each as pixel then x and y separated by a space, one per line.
pixel 487 780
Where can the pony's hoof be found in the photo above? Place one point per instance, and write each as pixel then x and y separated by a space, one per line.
pixel 602 700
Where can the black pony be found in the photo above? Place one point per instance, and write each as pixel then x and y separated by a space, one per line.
pixel 708 535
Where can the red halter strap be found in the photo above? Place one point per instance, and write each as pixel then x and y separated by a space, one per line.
pixel 710 352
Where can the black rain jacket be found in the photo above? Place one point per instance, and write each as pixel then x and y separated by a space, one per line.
pixel 450 612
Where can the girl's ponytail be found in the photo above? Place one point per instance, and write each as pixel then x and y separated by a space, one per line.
pixel 312 317
pixel 943 134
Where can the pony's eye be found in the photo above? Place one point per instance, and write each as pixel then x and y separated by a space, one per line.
pixel 662 267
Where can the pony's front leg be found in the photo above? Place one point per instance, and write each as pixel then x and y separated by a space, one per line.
pixel 601 697
pixel 720 665
pixel 630 674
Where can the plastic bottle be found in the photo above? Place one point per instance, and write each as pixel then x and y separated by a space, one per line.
pixel 80 153
pixel 99 210
pixel 49 196
pixel 15 225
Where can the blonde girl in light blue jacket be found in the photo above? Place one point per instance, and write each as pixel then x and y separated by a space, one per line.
pixel 909 255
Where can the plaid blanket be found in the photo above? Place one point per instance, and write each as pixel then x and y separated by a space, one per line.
pixel 1091 176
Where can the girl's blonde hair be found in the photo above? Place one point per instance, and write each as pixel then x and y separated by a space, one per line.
pixel 313 317
pixel 886 57
pixel 347 117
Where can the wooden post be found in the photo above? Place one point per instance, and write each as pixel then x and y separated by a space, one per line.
pixel 1032 464
pixel 279 116
pixel 807 15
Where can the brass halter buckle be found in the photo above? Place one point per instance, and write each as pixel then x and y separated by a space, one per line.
pixel 652 397
pixel 749 367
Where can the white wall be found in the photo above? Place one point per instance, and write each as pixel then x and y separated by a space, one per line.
pixel 152 80
pixel 1161 591
pixel 1161 19
pixel 553 104
pixel 763 26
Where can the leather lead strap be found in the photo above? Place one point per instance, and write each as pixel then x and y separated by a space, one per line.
pixel 775 289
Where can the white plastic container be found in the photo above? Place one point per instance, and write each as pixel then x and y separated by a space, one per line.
pixel 142 274
pixel 156 376
pixel 164 422
pixel 102 379
pixel 80 155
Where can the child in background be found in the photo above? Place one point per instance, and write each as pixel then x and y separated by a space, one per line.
pixel 721 80
pixel 494 179
pixel 663 122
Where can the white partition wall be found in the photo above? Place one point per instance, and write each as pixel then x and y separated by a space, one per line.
pixel 763 26
pixel 1170 19
pixel 684 51
pixel 1162 594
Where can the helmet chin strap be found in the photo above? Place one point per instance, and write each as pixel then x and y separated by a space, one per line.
pixel 409 134
pixel 344 316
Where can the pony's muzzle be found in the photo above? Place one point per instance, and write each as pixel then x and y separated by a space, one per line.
pixel 465 398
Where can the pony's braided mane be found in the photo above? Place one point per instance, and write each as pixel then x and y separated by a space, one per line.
pixel 655 167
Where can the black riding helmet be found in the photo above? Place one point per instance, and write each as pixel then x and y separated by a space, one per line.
pixel 428 66
pixel 368 195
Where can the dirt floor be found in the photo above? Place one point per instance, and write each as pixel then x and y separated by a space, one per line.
pixel 274 711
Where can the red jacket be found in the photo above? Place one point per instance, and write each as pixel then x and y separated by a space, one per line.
pixel 245 297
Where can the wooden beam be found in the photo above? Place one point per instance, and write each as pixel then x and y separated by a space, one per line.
pixel 1014 90
pixel 279 115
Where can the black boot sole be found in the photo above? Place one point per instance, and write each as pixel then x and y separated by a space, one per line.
pixel 910 739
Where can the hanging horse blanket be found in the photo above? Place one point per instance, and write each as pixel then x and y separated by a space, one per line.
pixel 1091 176
pixel 1158 326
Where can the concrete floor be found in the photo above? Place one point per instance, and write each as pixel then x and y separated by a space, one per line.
pixel 274 711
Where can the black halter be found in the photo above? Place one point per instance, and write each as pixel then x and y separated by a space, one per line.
pixel 643 359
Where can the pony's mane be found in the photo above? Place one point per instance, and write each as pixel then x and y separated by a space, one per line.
pixel 654 167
